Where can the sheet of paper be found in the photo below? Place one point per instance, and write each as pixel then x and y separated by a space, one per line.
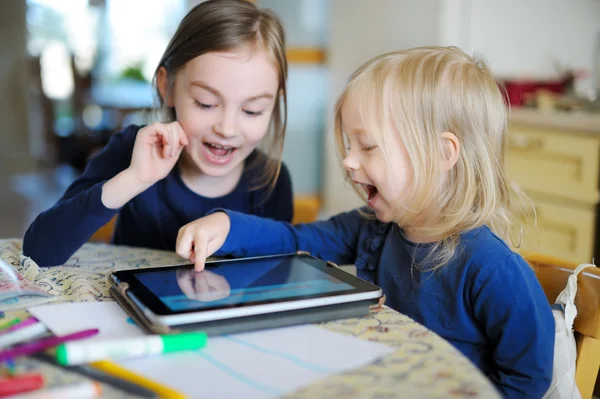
pixel 108 317
pixel 259 365
pixel 255 365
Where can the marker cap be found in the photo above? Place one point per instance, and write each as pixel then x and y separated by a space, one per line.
pixel 62 357
pixel 183 341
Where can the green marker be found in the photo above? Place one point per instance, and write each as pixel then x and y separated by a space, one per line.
pixel 79 352
pixel 10 323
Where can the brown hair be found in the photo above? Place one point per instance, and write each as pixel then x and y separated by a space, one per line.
pixel 225 25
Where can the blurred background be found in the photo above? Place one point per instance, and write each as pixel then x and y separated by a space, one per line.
pixel 73 72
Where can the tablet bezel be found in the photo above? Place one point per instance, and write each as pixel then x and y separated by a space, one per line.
pixel 155 309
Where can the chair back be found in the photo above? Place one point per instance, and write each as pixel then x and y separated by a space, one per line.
pixel 552 274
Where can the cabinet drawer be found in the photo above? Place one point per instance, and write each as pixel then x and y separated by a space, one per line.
pixel 562 231
pixel 560 164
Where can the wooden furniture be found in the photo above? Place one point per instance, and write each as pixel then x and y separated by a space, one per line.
pixel 306 209
pixel 553 274
pixel 104 233
pixel 554 159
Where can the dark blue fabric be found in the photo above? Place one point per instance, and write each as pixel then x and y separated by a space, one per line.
pixel 486 301
pixel 151 219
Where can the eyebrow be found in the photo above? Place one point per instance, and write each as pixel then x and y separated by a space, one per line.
pixel 218 94
pixel 356 132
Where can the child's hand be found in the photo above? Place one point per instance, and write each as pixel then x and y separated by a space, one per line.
pixel 377 307
pixel 201 238
pixel 156 150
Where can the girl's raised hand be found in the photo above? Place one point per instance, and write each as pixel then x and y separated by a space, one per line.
pixel 156 150
pixel 201 238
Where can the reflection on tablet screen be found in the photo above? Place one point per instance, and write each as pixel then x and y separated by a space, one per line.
pixel 238 283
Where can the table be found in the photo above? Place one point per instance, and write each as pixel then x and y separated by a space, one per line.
pixel 423 365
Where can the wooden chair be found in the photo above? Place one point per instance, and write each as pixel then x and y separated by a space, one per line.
pixel 553 274
pixel 104 233
pixel 306 210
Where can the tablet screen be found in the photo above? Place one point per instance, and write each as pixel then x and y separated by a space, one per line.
pixel 236 283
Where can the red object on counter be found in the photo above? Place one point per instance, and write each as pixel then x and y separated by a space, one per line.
pixel 20 383
pixel 517 90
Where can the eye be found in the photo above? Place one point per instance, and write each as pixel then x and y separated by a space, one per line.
pixel 369 148
pixel 253 113
pixel 204 106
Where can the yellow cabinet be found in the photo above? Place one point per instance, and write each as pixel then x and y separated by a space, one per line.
pixel 557 163
pixel 559 230
pixel 558 168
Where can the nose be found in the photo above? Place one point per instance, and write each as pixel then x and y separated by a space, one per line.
pixel 351 162
pixel 226 126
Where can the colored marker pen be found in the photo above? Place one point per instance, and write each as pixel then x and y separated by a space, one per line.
pixel 72 353
pixel 20 383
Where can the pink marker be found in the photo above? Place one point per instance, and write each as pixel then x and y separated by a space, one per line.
pixel 45 343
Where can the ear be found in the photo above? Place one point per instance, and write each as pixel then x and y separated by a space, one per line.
pixel 451 150
pixel 162 81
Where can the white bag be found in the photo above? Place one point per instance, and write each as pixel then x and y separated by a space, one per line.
pixel 565 351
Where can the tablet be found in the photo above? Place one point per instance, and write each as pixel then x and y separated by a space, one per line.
pixel 229 289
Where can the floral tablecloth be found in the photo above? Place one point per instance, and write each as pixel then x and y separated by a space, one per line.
pixel 423 366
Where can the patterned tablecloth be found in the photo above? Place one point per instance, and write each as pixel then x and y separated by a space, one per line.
pixel 423 366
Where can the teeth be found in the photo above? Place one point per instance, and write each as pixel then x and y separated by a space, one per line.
pixel 219 146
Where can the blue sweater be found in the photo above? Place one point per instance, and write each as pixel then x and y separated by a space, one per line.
pixel 151 219
pixel 487 301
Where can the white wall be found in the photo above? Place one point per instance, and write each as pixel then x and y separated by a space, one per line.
pixel 526 37
pixel 360 30
pixel 305 23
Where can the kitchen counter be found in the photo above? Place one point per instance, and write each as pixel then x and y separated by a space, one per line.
pixel 584 122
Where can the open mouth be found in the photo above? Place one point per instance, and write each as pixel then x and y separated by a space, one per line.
pixel 371 191
pixel 219 150
pixel 219 154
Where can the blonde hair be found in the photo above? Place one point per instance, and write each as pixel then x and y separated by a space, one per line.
pixel 418 94
pixel 225 25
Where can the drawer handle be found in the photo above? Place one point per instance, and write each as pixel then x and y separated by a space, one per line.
pixel 525 143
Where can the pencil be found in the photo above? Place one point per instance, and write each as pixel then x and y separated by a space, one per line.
pixel 121 372
pixel 97 375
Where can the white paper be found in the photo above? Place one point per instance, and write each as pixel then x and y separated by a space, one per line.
pixel 108 317
pixel 255 365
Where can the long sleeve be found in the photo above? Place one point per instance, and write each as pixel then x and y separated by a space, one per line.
pixel 61 230
pixel 335 239
pixel 513 310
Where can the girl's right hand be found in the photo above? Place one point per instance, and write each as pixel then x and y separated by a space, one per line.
pixel 201 238
pixel 156 150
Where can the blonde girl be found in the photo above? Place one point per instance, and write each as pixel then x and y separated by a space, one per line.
pixel 422 133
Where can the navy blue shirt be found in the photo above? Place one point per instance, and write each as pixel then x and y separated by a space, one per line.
pixel 153 218
pixel 486 301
